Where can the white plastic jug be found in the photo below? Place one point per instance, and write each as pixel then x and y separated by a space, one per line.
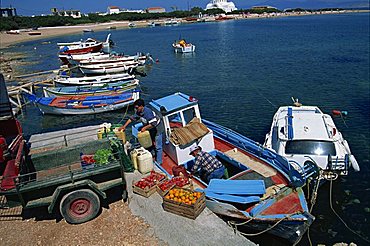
pixel 145 162
pixel 134 153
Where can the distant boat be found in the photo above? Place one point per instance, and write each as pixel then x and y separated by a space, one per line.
pixel 34 33
pixel 131 24
pixel 88 30
pixel 183 47
pixel 154 24
pixel 77 105
pixel 107 68
pixel 112 27
pixel 13 32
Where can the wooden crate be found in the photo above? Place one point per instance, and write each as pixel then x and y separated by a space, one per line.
pixel 147 192
pixel 162 193
pixel 189 211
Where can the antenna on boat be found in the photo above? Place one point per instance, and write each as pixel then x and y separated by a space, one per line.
pixel 295 102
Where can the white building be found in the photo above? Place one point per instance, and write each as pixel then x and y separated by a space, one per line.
pixel 113 10
pixel 221 4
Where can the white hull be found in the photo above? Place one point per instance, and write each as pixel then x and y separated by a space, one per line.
pixel 184 49
pixel 107 68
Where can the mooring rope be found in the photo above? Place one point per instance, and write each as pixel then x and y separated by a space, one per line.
pixel 234 226
pixel 344 223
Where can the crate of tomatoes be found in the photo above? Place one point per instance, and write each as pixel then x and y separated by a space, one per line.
pixel 179 181
pixel 147 185
pixel 184 202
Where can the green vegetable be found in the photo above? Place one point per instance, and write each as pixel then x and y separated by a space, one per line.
pixel 102 156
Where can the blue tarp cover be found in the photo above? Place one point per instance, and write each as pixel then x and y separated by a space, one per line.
pixel 232 198
pixel 237 187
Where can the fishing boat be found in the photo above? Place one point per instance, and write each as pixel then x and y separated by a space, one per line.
pixel 94 80
pixel 89 45
pixel 305 136
pixel 75 59
pixel 108 68
pixel 183 47
pixel 139 58
pixel 260 189
pixel 89 90
pixel 81 104
pixel 131 24
pixel 88 30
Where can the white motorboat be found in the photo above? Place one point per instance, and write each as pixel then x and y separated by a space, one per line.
pixel 77 58
pixel 305 136
pixel 94 80
pixel 183 47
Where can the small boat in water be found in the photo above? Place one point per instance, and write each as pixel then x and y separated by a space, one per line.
pixel 306 136
pixel 88 30
pixel 94 80
pixel 131 24
pixel 89 90
pixel 183 47
pixel 89 45
pixel 34 33
pixel 259 189
pixel 77 105
pixel 139 58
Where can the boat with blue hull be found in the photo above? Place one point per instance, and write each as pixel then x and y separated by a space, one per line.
pixel 80 104
pixel 259 190
pixel 89 90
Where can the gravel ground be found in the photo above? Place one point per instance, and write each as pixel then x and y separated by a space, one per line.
pixel 114 226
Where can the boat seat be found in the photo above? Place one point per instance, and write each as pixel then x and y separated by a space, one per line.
pixel 237 187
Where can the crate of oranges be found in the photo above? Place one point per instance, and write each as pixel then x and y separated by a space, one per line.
pixel 184 202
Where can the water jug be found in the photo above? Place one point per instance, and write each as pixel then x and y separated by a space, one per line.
pixel 134 154
pixel 145 162
pixel 145 139
pixel 121 134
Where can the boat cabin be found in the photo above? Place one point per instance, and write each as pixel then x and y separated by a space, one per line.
pixel 178 113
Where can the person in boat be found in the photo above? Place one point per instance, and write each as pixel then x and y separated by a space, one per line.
pixel 210 167
pixel 152 123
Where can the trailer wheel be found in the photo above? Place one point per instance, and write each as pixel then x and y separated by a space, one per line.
pixel 79 206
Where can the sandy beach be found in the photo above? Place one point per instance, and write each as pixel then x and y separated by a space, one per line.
pixel 9 39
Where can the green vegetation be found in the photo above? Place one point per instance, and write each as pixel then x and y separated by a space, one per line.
pixel 23 22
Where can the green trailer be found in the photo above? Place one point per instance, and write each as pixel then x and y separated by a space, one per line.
pixel 60 183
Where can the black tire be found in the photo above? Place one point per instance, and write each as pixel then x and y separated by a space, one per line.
pixel 79 206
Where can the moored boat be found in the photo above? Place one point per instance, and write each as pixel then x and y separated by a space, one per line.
pixel 89 45
pixel 115 59
pixel 77 58
pixel 94 80
pixel 107 68
pixel 77 105
pixel 183 47
pixel 259 190
pixel 305 136
pixel 89 90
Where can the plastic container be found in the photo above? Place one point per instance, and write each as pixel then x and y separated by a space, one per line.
pixel 102 132
pixel 144 139
pixel 134 154
pixel 145 162
pixel 121 134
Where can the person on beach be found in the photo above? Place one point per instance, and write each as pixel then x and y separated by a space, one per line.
pixel 210 167
pixel 152 123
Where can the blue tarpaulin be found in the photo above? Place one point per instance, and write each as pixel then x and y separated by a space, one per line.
pixel 232 198
pixel 237 187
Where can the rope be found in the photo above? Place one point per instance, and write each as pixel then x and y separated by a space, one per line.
pixel 124 115
pixel 314 194
pixel 263 96
pixel 344 223
pixel 344 121
pixel 258 233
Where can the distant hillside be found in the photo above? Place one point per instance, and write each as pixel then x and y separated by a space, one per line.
pixel 309 4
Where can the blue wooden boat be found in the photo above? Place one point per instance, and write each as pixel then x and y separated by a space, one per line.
pixel 89 90
pixel 81 104
pixel 260 190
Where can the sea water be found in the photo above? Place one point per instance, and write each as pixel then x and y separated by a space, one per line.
pixel 241 72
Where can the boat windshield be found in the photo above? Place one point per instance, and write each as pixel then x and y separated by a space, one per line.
pixel 309 147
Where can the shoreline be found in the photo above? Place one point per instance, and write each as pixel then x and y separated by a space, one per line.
pixel 7 40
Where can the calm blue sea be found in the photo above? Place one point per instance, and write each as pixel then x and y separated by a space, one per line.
pixel 241 72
